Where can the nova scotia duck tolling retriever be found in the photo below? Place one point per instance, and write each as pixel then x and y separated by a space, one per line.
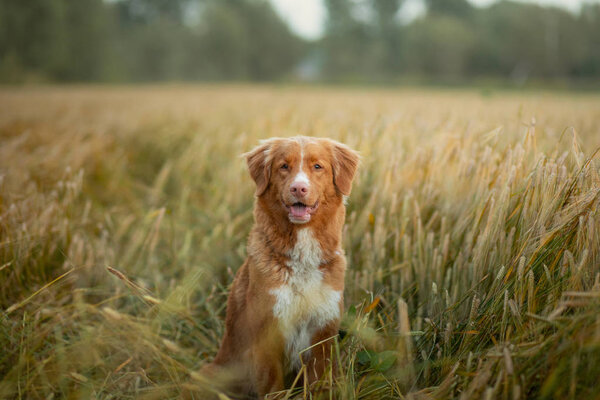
pixel 285 305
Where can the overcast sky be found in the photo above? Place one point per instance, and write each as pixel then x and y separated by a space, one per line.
pixel 306 17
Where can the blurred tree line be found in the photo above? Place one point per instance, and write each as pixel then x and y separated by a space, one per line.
pixel 456 41
pixel 364 40
pixel 144 40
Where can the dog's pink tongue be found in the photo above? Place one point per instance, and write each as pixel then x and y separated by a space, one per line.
pixel 299 211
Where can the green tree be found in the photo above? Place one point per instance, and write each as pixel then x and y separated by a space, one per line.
pixel 455 8
pixel 439 47
pixel 147 11
pixel 589 21
pixel 390 34
pixel 32 38
pixel 54 40
pixel 88 39
pixel 350 45
pixel 244 39
pixel 154 40
pixel 525 40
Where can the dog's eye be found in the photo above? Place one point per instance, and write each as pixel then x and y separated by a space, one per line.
pixel 318 166
pixel 284 166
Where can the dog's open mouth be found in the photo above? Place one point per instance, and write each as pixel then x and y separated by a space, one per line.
pixel 300 212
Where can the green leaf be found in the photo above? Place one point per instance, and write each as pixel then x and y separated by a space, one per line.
pixel 364 357
pixel 383 361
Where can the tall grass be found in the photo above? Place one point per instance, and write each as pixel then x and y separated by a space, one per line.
pixel 472 235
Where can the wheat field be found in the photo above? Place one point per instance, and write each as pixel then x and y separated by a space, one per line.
pixel 472 238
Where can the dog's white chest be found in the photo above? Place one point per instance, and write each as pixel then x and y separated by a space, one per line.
pixel 304 303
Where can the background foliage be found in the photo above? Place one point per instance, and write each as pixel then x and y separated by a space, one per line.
pixel 364 41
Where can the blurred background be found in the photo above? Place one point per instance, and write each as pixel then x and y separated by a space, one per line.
pixel 453 42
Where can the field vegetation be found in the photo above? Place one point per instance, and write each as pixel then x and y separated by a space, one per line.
pixel 472 235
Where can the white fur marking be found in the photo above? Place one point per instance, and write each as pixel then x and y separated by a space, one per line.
pixel 302 177
pixel 304 303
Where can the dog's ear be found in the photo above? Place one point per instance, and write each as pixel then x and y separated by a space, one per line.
pixel 259 165
pixel 345 164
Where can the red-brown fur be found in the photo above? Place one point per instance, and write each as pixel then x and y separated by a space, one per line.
pixel 254 344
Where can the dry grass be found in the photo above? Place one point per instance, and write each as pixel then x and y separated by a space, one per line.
pixel 473 238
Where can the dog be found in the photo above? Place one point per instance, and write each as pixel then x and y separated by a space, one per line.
pixel 286 301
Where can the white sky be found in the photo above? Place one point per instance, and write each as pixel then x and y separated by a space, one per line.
pixel 307 17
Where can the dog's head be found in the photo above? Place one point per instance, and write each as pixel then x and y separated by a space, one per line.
pixel 301 175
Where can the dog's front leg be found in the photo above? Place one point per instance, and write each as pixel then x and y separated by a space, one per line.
pixel 267 365
pixel 322 356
